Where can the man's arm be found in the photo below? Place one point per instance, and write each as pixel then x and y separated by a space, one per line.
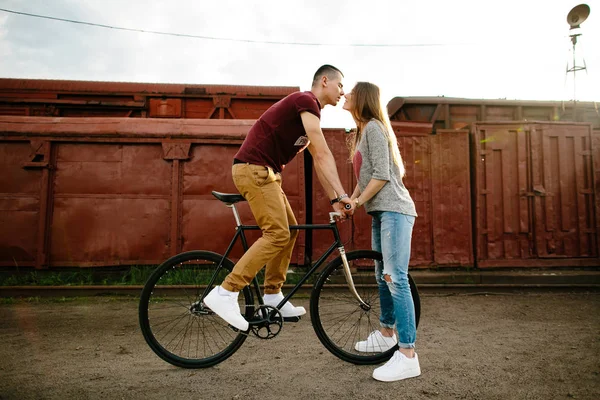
pixel 323 159
pixel 328 189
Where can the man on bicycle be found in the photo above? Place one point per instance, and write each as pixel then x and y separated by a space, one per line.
pixel 284 130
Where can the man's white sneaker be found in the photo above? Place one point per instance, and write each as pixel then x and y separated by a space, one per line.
pixel 397 368
pixel 288 310
pixel 225 305
pixel 376 343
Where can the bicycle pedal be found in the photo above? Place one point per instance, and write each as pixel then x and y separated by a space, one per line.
pixel 291 319
pixel 236 330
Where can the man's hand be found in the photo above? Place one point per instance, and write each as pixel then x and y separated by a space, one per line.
pixel 347 211
pixel 339 207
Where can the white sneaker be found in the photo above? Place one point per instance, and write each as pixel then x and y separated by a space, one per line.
pixel 397 368
pixel 376 343
pixel 288 310
pixel 225 304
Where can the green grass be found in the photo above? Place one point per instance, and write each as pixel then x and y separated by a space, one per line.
pixel 135 275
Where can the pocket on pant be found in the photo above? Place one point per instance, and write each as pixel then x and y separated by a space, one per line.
pixel 410 219
pixel 263 175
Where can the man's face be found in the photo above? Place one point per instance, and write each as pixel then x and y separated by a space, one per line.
pixel 334 88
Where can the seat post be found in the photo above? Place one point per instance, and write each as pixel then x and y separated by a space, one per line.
pixel 235 214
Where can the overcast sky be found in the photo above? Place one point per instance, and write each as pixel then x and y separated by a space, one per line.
pixel 513 49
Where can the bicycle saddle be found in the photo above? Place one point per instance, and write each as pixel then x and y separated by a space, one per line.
pixel 228 198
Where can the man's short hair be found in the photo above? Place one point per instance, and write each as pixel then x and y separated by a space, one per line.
pixel 325 70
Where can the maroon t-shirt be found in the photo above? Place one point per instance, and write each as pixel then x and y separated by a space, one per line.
pixel 278 135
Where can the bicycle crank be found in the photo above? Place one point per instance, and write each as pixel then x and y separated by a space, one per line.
pixel 266 323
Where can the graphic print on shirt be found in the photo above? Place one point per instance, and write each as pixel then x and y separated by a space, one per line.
pixel 303 142
pixel 357 163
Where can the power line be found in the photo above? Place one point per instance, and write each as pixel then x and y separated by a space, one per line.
pixel 225 39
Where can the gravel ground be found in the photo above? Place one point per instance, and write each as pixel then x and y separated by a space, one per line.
pixel 535 345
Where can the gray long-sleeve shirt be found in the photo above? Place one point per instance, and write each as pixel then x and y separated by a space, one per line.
pixel 373 159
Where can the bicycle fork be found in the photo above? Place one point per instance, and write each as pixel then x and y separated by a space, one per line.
pixel 350 281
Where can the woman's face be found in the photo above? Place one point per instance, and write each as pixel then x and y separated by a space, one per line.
pixel 348 103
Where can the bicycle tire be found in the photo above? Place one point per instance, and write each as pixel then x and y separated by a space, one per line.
pixel 338 319
pixel 176 324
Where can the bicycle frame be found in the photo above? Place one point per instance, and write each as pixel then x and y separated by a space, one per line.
pixel 337 244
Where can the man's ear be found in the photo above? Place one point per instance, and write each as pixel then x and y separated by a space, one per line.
pixel 324 80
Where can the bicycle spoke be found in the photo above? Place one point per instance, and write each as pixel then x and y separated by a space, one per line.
pixel 175 323
pixel 338 318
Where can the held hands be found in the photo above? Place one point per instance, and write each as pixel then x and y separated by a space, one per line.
pixel 344 206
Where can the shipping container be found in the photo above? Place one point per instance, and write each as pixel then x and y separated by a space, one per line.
pixel 62 98
pixel 438 179
pixel 115 191
pixel 458 113
pixel 535 198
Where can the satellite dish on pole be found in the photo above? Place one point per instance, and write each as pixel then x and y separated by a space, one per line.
pixel 575 18
pixel 577 15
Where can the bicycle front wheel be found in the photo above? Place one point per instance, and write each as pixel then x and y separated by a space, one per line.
pixel 338 318
pixel 176 324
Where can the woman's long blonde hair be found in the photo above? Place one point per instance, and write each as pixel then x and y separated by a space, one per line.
pixel 367 106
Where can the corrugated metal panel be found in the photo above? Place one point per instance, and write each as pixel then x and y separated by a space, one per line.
pixel 111 204
pixel 136 100
pixel 110 187
pixel 417 156
pixel 121 128
pixel 451 198
pixel 437 177
pixel 564 188
pixel 198 108
pixel 457 113
pixel 8 110
pixel 209 168
pixel 596 158
pixel 41 85
pixel 19 205
pixel 534 195
pixel 122 191
pixel 321 240
pixel 504 220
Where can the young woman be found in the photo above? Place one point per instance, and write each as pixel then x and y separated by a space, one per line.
pixel 379 170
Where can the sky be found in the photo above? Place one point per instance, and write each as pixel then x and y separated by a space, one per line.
pixel 509 49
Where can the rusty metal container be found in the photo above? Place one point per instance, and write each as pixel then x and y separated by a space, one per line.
pixel 57 98
pixel 112 191
pixel 534 195
pixel 458 113
pixel 437 176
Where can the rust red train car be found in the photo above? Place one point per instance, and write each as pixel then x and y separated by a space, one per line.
pixel 496 183
pixel 56 98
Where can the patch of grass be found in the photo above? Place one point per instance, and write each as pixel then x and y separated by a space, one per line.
pixel 134 275
pixel 67 300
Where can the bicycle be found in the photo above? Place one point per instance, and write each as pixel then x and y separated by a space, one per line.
pixel 182 331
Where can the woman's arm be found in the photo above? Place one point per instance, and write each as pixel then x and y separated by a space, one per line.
pixel 378 154
pixel 371 190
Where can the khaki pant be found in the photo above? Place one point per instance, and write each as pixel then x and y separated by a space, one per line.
pixel 261 187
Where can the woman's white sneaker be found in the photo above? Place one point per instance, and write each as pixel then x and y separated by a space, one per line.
pixel 225 304
pixel 376 343
pixel 397 368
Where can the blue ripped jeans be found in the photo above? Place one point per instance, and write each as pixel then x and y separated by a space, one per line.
pixel 391 236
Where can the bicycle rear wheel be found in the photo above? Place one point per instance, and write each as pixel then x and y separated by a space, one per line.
pixel 337 317
pixel 177 326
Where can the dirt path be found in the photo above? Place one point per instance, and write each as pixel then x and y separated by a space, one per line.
pixel 517 346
